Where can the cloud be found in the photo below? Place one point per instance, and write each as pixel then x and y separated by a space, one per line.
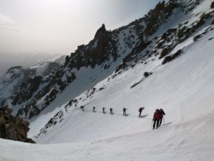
pixel 7 23
pixel 8 27
pixel 5 20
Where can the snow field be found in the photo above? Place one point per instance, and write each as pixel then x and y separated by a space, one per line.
pixel 173 87
pixel 184 88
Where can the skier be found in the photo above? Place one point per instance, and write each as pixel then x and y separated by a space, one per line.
pixel 124 111
pixel 140 111
pixel 161 112
pixel 94 109
pixel 104 110
pixel 156 118
pixel 111 111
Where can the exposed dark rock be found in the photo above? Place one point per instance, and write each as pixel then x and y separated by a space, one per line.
pixel 171 57
pixel 100 32
pixel 13 128
pixel 143 44
pixel 164 52
pixel 121 66
pixel 146 74
pixel 58 117
pixel 197 37
pixel 212 5
pixel 156 17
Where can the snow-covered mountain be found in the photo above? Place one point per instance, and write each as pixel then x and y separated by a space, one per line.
pixel 19 77
pixel 108 52
pixel 23 59
pixel 163 60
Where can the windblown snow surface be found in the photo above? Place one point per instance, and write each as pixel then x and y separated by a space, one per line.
pixel 184 88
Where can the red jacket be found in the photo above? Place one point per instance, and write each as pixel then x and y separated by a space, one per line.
pixel 156 116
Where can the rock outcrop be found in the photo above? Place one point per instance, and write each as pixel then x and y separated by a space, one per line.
pixel 13 128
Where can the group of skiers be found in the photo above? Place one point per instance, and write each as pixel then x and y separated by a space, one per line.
pixel 111 110
pixel 104 111
pixel 157 118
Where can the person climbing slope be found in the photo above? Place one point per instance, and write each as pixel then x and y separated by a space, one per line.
pixel 111 111
pixel 124 111
pixel 162 113
pixel 82 108
pixel 94 109
pixel 140 111
pixel 104 110
pixel 156 118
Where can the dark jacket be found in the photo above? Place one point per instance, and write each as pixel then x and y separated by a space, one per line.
pixel 161 112
pixel 141 109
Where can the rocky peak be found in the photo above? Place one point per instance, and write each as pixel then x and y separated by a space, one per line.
pixel 100 32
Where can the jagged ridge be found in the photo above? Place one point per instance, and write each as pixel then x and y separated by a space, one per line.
pixel 121 48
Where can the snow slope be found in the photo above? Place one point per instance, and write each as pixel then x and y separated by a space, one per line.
pixel 181 142
pixel 184 88
pixel 179 87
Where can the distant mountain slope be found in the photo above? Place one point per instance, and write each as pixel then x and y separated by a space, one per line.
pixel 29 79
pixel 9 60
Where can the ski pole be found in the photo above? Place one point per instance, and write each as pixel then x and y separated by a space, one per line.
pixel 151 125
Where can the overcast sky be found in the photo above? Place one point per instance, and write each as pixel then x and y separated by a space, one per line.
pixel 59 26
